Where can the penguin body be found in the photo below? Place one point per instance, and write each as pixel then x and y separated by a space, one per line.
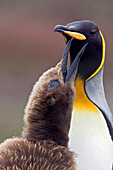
pixel 44 141
pixel 91 132
pixel 21 154
pixel 92 143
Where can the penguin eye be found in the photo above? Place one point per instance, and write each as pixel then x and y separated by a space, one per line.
pixel 54 83
pixel 92 32
pixel 53 98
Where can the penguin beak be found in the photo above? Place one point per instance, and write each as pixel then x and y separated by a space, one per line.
pixel 66 31
pixel 67 75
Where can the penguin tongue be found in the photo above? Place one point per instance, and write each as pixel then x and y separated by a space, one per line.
pixel 65 58
pixel 68 75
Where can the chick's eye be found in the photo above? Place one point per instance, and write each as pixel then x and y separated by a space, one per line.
pixel 54 83
pixel 53 98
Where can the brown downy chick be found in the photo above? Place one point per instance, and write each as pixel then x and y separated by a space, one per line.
pixel 44 142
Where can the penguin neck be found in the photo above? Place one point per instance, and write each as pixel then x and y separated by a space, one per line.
pixel 82 102
pixel 41 129
pixel 89 128
pixel 95 90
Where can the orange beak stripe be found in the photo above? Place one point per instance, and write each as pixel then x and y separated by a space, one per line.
pixel 76 35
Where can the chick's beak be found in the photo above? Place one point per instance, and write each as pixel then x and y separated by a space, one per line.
pixel 66 31
pixel 67 75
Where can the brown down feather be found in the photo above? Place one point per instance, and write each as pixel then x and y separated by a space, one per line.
pixel 44 141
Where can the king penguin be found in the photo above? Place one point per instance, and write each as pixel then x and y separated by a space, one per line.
pixel 91 133
pixel 44 141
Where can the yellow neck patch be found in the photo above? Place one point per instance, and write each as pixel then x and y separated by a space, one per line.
pixel 82 103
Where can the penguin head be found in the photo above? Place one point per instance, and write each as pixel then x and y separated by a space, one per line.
pixel 93 57
pixel 48 112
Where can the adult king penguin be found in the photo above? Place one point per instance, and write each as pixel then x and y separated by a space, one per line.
pixel 91 133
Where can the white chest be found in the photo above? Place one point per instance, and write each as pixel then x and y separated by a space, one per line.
pixel 90 139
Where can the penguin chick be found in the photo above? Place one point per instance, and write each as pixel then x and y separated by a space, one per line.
pixel 44 141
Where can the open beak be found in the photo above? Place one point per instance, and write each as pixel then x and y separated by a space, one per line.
pixel 66 31
pixel 67 75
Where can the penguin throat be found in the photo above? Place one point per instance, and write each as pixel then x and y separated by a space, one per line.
pixel 82 102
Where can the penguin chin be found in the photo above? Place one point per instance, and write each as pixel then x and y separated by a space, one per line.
pixel 75 47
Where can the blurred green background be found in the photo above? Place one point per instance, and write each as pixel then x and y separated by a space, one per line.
pixel 29 46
